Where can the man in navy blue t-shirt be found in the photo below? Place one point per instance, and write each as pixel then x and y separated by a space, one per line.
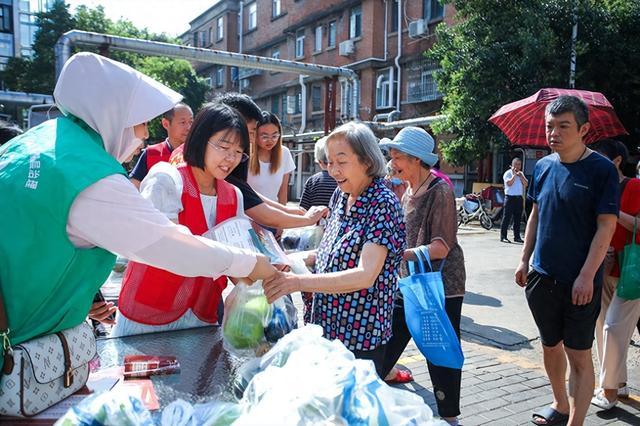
pixel 575 196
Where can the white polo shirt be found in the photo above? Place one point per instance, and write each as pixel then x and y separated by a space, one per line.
pixel 516 188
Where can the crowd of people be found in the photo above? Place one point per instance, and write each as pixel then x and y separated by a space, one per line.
pixel 229 161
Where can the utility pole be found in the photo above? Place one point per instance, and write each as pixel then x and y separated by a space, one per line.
pixel 574 41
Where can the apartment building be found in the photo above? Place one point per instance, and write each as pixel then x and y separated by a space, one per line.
pixel 359 34
pixel 382 40
pixel 18 27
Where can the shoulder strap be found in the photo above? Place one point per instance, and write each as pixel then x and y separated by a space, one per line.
pixel 4 334
pixel 227 203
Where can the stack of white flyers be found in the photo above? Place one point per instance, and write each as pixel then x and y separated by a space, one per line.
pixel 243 233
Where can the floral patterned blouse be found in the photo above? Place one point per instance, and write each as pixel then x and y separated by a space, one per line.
pixel 362 319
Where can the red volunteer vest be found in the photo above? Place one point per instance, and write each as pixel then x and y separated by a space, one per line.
pixel 154 296
pixel 157 153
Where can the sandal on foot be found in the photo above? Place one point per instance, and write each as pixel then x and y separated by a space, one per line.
pixel 549 416
pixel 403 376
pixel 602 402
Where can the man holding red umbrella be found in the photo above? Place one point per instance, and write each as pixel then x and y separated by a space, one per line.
pixel 575 206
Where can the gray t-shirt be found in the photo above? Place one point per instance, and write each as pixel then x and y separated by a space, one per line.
pixel 431 215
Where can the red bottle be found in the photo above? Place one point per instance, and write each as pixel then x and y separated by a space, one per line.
pixel 142 366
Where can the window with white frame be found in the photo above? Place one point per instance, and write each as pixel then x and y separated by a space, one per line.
pixel 202 38
pixel 386 85
pixel 252 11
pixel 432 10
pixel 300 43
pixel 355 22
pixel 276 8
pixel 220 28
pixel 346 98
pixel 331 34
pixel 219 77
pixel 317 41
pixel 210 36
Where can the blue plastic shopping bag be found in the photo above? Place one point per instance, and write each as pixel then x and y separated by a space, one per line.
pixel 425 315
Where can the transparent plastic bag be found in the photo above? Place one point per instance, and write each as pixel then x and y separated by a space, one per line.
pixel 251 324
pixel 283 319
pixel 337 388
pixel 247 313
pixel 107 409
pixel 214 413
pixel 302 239
pixel 307 380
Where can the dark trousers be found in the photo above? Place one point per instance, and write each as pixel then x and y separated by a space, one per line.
pixel 377 356
pixel 512 210
pixel 446 381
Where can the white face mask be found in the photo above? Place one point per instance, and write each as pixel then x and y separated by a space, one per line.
pixel 128 146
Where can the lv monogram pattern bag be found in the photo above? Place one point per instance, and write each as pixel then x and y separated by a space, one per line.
pixel 43 371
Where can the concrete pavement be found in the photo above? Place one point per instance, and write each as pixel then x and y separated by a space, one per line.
pixel 503 379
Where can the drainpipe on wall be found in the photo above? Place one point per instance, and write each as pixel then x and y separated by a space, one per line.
pixel 241 28
pixel 303 107
pixel 303 126
pixel 355 84
pixel 356 96
pixel 398 57
pixel 240 31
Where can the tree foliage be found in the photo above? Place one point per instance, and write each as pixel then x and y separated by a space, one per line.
pixel 37 75
pixel 499 52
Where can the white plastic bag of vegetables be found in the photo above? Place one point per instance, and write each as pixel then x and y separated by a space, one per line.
pixel 337 389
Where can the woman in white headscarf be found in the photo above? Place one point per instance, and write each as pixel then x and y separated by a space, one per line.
pixel 67 204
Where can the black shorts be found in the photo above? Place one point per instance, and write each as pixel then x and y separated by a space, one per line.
pixel 557 318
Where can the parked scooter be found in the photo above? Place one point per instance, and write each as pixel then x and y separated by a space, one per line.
pixel 471 207
pixel 493 197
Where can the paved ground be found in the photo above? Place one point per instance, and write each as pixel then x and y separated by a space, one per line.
pixel 503 379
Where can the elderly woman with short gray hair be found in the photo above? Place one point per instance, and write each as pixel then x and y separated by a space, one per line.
pixel 360 253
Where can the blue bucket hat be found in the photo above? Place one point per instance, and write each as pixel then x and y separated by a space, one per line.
pixel 414 141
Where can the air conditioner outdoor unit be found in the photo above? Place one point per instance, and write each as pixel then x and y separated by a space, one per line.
pixel 347 48
pixel 417 28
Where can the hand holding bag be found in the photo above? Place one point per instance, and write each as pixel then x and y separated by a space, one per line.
pixel 425 315
pixel 43 371
pixel 629 283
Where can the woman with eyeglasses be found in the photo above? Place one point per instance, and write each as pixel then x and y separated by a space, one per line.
pixel 194 195
pixel 271 164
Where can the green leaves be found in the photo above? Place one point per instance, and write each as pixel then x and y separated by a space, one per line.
pixel 37 75
pixel 503 51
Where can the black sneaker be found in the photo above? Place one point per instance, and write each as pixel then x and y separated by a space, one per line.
pixel 505 240
pixel 518 240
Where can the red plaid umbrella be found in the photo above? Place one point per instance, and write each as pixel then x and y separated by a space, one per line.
pixel 523 121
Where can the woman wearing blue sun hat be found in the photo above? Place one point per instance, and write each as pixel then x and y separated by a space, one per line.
pixel 430 218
